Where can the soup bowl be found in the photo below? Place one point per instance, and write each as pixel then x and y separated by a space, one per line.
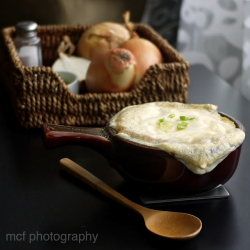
pixel 142 165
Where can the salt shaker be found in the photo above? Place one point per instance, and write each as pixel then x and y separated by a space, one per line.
pixel 28 44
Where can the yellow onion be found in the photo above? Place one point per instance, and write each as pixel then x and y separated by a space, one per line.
pixel 100 38
pixel 145 52
pixel 112 71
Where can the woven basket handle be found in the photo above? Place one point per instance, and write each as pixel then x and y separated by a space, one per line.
pixel 59 135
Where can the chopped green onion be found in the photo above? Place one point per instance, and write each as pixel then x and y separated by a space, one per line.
pixel 166 126
pixel 182 125
pixel 161 120
pixel 171 116
pixel 183 118
pixel 186 118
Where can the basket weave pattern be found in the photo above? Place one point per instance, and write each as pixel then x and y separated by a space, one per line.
pixel 38 94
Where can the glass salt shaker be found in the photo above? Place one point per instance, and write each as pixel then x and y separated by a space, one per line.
pixel 28 44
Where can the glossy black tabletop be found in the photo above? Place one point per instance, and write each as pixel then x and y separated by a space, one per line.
pixel 45 208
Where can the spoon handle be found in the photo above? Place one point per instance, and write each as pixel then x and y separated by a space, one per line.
pixel 88 178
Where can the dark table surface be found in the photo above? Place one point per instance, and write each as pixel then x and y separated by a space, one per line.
pixel 44 208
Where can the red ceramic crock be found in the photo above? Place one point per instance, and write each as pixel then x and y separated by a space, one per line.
pixel 143 165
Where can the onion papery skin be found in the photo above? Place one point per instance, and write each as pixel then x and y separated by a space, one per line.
pixel 101 38
pixel 112 71
pixel 145 52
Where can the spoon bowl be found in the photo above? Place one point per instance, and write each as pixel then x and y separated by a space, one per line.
pixel 162 222
pixel 172 225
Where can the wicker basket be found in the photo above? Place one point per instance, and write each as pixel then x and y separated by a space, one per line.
pixel 32 89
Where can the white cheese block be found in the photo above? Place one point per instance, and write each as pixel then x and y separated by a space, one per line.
pixel 74 64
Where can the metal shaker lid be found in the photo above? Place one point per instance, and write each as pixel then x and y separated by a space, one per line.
pixel 26 28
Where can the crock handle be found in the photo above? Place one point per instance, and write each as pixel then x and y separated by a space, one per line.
pixel 60 135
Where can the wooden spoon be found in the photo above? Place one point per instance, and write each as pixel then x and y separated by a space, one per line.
pixel 173 225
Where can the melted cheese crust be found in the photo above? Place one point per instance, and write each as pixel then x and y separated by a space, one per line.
pixel 201 146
